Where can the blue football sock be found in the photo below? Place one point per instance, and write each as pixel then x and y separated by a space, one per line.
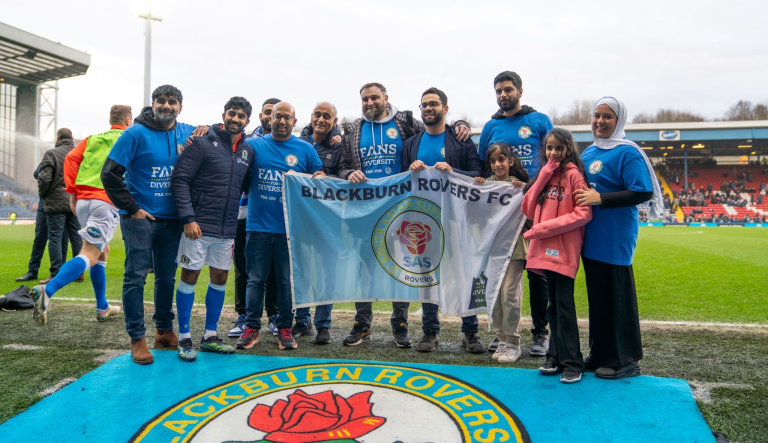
pixel 185 297
pixel 214 301
pixel 67 274
pixel 99 282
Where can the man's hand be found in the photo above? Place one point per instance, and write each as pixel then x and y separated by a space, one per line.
pixel 587 197
pixel 443 166
pixel 357 177
pixel 463 132
pixel 335 140
pixel 199 131
pixel 318 174
pixel 192 231
pixel 73 203
pixel 418 165
pixel 142 214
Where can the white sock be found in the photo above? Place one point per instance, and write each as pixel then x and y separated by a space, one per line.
pixel 184 335
pixel 208 334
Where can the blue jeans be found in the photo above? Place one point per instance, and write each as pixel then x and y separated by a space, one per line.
pixel 431 322
pixel 322 316
pixel 260 248
pixel 149 243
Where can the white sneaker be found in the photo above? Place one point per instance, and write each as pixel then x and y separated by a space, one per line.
pixel 111 311
pixel 511 355
pixel 42 302
pixel 499 350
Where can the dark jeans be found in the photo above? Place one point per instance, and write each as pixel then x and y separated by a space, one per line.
pixel 156 243
pixel 364 315
pixel 241 276
pixel 537 291
pixel 564 343
pixel 322 316
pixel 614 323
pixel 431 322
pixel 262 249
pixel 57 225
pixel 41 238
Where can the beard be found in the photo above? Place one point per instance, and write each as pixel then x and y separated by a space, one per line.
pixel 265 126
pixel 435 119
pixel 373 114
pixel 236 130
pixel 510 105
pixel 165 117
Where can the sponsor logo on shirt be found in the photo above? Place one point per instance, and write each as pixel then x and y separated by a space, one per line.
pixel 553 252
pixel 595 167
pixel 245 154
pixel 524 131
pixel 392 133
pixel 388 170
pixel 291 160
pixel 93 232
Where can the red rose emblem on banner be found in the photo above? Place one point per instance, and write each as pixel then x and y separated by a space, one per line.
pixel 415 235
pixel 319 417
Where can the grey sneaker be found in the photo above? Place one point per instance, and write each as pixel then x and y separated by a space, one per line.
pixel 540 345
pixel 357 336
pixel 401 338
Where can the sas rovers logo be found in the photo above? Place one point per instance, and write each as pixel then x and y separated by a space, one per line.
pixel 341 403
pixel 408 242
pixel 595 167
pixel 524 131
pixel 392 133
pixel 179 149
pixel 291 160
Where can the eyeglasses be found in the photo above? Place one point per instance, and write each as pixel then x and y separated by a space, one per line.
pixel 278 117
pixel 432 105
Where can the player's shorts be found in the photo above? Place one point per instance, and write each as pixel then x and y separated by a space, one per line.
pixel 206 251
pixel 98 220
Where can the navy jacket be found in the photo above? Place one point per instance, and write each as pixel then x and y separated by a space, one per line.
pixel 461 156
pixel 330 155
pixel 208 181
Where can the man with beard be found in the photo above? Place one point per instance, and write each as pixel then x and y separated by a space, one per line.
pixel 372 148
pixel 137 179
pixel 274 155
pixel 266 111
pixel 438 146
pixel 206 186
pixel 524 129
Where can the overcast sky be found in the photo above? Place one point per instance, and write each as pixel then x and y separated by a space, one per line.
pixel 701 56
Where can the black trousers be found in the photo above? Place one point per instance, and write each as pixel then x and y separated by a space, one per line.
pixel 614 323
pixel 564 343
pixel 364 315
pixel 241 276
pixel 41 239
pixel 57 225
pixel 538 294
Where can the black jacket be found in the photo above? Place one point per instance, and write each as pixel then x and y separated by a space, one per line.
pixel 461 156
pixel 50 178
pixel 208 181
pixel 330 155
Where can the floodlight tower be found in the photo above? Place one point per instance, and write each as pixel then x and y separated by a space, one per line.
pixel 148 17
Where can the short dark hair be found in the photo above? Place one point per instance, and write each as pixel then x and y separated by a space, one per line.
pixel 119 113
pixel 441 94
pixel 168 91
pixel 271 101
pixel 378 85
pixel 64 134
pixel 509 76
pixel 241 103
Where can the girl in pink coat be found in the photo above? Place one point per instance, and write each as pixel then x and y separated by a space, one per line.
pixel 555 246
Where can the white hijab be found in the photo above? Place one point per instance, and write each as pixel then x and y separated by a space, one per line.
pixel 619 137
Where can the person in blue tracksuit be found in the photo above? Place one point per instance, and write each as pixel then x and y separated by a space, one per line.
pixel 206 185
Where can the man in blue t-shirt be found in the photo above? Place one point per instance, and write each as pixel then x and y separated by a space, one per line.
pixel 524 129
pixel 438 146
pixel 274 155
pixel 372 148
pixel 137 178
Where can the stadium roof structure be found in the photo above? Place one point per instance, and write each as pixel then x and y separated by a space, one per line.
pixel 27 59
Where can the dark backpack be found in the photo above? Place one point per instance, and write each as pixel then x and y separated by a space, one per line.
pixel 19 298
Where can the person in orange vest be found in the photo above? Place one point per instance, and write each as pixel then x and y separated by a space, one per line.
pixel 96 214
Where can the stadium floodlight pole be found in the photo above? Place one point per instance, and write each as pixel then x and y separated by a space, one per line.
pixel 148 17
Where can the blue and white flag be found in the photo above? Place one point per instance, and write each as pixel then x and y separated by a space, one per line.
pixel 428 237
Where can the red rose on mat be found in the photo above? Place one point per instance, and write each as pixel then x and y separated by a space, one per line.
pixel 318 417
pixel 415 235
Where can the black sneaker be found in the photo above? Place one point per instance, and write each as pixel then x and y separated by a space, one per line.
pixel 285 339
pixel 428 343
pixel 323 336
pixel 539 345
pixel 401 338
pixel 357 336
pixel 630 370
pixel 551 366
pixel 569 377
pixel 493 345
pixel 471 343
pixel 301 330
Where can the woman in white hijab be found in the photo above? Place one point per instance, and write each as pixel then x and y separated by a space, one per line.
pixel 621 177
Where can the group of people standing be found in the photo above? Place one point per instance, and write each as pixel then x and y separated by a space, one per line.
pixel 211 195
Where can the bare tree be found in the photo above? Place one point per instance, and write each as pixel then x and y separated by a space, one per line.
pixel 761 111
pixel 742 110
pixel 668 116
pixel 580 113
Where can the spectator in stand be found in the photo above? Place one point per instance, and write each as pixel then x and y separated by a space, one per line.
pixel 747 219
pixel 760 199
pixel 709 187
